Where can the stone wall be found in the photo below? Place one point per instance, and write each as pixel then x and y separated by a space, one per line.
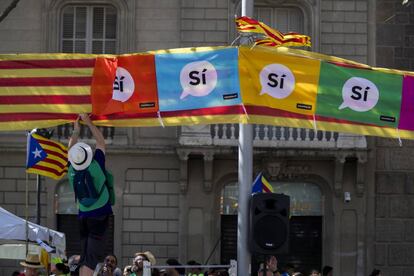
pixel 204 23
pixel 150 213
pixel 344 29
pixel 157 24
pixel 394 215
pixel 395 34
pixel 20 26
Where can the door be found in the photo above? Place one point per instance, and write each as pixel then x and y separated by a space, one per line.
pixel 305 226
pixel 67 220
pixel 305 243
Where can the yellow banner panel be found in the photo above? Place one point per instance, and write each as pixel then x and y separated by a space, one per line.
pixel 278 81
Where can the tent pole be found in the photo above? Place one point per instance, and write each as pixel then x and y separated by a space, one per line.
pixel 38 188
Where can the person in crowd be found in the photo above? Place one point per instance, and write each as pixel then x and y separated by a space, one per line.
pixel 327 271
pixel 289 269
pixel 73 263
pixel 194 271
pixel 375 272
pixel 61 269
pixel 93 187
pixel 137 267
pixel 314 272
pixel 174 271
pixel 16 273
pixel 108 267
pixel 31 265
pixel 270 267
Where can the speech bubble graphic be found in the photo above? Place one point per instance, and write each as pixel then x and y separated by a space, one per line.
pixel 198 79
pixel 277 81
pixel 359 94
pixel 124 85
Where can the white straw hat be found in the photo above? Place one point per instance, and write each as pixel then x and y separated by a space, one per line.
pixel 80 156
pixel 32 261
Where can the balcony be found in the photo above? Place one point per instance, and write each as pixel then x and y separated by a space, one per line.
pixel 63 133
pixel 269 136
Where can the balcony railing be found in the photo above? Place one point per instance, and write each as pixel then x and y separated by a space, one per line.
pixel 273 136
pixel 63 133
pixel 269 136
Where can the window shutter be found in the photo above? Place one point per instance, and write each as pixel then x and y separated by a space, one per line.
pixel 110 47
pixel 110 23
pixel 97 47
pixel 68 17
pixel 98 22
pixel 89 29
pixel 80 21
pixel 283 19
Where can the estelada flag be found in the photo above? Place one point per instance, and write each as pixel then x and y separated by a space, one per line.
pixel 125 84
pixel 46 157
pixel 261 185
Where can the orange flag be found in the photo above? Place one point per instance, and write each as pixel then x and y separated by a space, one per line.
pixel 124 84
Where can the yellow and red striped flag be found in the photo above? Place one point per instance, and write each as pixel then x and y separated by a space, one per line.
pixel 46 157
pixel 273 37
pixel 44 90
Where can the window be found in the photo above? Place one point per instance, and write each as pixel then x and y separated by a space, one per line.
pixel 289 19
pixel 305 198
pixel 89 29
pixel 65 199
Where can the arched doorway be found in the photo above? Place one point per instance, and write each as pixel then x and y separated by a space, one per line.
pixel 306 218
pixel 67 220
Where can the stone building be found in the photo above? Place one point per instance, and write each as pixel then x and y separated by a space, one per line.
pixel 176 187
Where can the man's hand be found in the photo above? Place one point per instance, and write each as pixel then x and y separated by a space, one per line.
pixel 85 118
pixel 76 125
pixel 100 140
pixel 75 133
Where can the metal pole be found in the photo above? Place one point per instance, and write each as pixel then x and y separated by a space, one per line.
pixel 245 181
pixel 38 189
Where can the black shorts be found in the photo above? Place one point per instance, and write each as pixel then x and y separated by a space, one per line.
pixel 93 236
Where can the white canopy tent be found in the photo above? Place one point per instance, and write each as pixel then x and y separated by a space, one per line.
pixel 13 236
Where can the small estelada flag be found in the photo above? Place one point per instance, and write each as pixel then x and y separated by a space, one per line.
pixel 261 185
pixel 46 157
pixel 125 84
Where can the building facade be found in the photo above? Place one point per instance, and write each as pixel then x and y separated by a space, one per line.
pixel 176 187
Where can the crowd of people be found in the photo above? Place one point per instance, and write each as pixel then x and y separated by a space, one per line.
pixel 32 266
pixel 109 267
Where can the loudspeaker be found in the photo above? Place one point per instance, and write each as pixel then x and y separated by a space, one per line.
pixel 269 223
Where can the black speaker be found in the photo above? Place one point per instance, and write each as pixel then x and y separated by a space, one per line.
pixel 269 223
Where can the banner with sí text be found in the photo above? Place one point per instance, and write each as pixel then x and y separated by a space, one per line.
pixel 361 96
pixel 198 86
pixel 125 84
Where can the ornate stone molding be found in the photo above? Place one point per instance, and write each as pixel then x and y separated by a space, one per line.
pixel 208 171
pixel 195 135
pixel 339 173
pixel 360 183
pixel 183 156
pixel 280 170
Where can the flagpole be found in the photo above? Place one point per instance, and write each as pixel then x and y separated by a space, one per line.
pixel 245 175
pixel 46 134
pixel 38 189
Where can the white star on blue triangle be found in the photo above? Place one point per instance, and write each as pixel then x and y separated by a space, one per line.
pixel 35 152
